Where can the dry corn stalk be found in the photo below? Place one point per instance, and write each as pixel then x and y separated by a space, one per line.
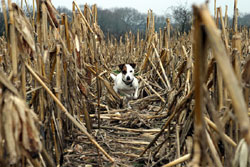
pixel 228 74
pixel 20 133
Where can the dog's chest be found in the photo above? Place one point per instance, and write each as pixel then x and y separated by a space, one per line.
pixel 126 90
pixel 121 85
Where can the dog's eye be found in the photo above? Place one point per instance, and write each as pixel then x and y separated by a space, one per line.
pixel 131 71
pixel 124 72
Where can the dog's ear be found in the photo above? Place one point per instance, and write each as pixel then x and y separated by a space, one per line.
pixel 132 65
pixel 121 66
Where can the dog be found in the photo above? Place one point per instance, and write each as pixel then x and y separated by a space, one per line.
pixel 125 83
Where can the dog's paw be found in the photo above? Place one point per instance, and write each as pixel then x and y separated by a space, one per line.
pixel 129 106
pixel 135 97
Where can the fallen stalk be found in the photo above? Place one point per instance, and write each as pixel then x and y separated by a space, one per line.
pixel 226 137
pixel 73 120
pixel 150 87
pixel 132 130
pixel 178 161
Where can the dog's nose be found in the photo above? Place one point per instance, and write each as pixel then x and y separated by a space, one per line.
pixel 128 78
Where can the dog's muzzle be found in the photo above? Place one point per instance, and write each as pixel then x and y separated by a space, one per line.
pixel 128 82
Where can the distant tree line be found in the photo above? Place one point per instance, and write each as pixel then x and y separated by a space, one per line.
pixel 1 23
pixel 118 21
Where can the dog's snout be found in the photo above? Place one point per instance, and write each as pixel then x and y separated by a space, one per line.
pixel 128 78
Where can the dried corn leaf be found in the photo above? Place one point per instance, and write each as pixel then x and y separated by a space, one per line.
pixel 8 84
pixel 19 128
pixel 23 26
pixel 99 32
pixel 8 126
pixel 84 89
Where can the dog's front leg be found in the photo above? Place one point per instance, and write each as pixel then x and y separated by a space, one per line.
pixel 127 100
pixel 136 94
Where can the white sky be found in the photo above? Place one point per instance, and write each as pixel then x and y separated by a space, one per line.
pixel 158 6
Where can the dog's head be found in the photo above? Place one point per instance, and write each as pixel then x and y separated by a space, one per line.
pixel 127 72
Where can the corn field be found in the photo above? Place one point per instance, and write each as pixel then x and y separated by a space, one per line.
pixel 58 106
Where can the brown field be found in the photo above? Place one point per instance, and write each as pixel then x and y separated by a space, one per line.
pixel 58 107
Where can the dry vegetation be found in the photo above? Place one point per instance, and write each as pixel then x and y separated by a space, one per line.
pixel 57 105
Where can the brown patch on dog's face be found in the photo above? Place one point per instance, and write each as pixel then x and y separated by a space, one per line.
pixel 123 68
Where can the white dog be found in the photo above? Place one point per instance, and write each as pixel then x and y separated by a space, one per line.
pixel 125 83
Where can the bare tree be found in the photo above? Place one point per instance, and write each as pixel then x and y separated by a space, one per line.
pixel 182 17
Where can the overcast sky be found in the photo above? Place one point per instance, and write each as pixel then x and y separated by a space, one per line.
pixel 158 6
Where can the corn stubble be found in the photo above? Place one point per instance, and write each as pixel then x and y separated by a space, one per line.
pixel 58 107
